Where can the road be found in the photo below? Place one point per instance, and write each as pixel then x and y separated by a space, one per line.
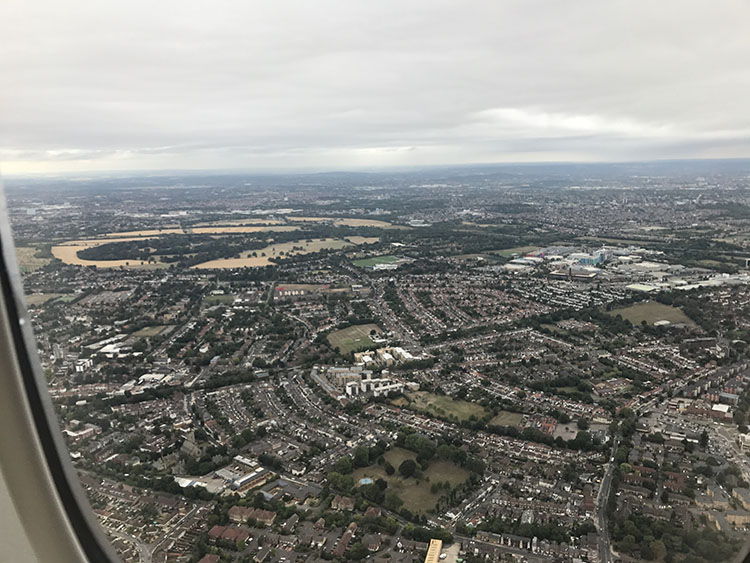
pixel 144 554
pixel 605 550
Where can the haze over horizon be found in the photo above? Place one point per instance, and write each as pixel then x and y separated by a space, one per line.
pixel 337 85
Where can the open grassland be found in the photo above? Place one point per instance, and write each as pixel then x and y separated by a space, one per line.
pixel 28 261
pixel 443 406
pixel 506 418
pixel 353 338
pixel 35 299
pixel 416 493
pixel 652 312
pixel 375 260
pixel 266 256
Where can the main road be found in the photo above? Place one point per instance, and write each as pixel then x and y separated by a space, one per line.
pixel 605 550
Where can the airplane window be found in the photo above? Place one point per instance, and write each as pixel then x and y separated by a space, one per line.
pixel 382 283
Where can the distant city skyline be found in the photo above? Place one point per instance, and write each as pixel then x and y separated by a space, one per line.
pixel 336 85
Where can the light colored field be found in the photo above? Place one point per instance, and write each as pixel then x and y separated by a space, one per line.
pixel 239 222
pixel 215 230
pixel 345 222
pixel 369 262
pixel 148 331
pixel 363 240
pixel 444 406
pixel 517 250
pixel 505 418
pixel 652 312
pixel 274 251
pixel 27 259
pixel 68 253
pixel 353 338
pixel 481 225
pixel 416 495
pixel 35 299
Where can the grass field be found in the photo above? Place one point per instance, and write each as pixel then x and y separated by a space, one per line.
pixel 375 260
pixel 219 300
pixel 353 338
pixel 148 331
pixel 28 261
pixel 652 312
pixel 35 299
pixel 505 418
pixel 443 406
pixel 415 493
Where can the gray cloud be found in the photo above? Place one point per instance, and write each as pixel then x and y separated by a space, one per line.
pixel 324 84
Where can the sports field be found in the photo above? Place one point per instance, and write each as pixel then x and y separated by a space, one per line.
pixel 652 312
pixel 353 338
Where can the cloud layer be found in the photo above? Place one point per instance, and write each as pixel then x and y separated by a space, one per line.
pixel 346 84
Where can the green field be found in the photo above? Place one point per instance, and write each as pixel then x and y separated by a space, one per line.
pixel 441 406
pixel 149 331
pixel 28 260
pixel 353 338
pixel 375 260
pixel 505 418
pixel 416 494
pixel 652 312
pixel 219 300
pixel 35 299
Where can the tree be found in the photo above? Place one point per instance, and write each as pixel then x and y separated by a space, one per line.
pixel 389 469
pixel 407 468
pixel 658 550
pixel 704 439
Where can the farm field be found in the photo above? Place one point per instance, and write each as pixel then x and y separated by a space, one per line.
pixel 28 260
pixel 353 338
pixel 416 494
pixel 247 260
pixel 506 418
pixel 375 260
pixel 443 406
pixel 652 312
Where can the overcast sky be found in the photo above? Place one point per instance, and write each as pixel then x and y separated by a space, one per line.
pixel 323 85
